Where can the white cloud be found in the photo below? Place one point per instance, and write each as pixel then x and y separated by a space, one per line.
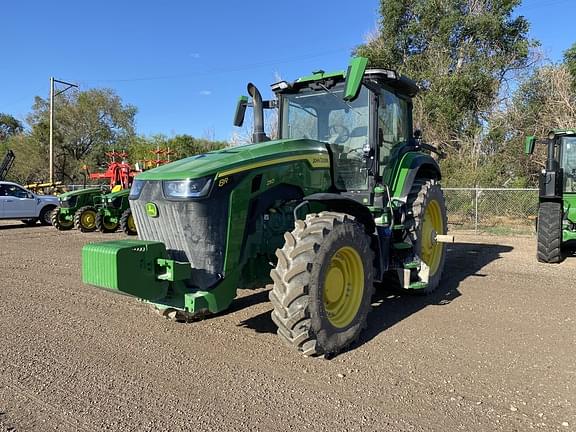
pixel 195 55
pixel 205 92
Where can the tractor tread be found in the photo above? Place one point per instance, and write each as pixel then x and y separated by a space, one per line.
pixel 100 224
pixel 416 201
pixel 124 222
pixel 290 293
pixel 57 223
pixel 549 249
pixel 78 219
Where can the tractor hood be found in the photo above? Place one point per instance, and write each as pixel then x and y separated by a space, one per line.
pixel 241 158
pixel 67 195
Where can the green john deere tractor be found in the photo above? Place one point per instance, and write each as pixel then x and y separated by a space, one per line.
pixel 113 212
pixel 556 227
pixel 347 197
pixel 77 209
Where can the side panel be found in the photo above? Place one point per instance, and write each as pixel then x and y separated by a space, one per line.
pixel 569 233
pixel 258 181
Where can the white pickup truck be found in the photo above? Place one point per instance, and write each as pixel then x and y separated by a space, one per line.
pixel 19 203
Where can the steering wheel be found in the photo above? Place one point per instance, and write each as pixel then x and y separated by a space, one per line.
pixel 342 133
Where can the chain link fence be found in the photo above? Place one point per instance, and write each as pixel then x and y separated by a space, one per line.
pixel 499 211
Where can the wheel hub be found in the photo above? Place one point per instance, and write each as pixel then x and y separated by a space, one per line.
pixel 343 287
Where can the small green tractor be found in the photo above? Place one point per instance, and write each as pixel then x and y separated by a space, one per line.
pixel 77 209
pixel 556 223
pixel 113 212
pixel 80 208
pixel 346 198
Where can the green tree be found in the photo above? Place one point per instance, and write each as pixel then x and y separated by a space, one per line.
pixel 86 125
pixel 570 62
pixel 463 51
pixel 9 126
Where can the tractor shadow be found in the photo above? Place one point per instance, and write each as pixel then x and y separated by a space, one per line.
pixel 391 305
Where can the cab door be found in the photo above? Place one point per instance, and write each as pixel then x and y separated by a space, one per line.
pixel 18 202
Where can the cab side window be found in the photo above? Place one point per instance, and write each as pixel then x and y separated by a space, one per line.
pixel 393 122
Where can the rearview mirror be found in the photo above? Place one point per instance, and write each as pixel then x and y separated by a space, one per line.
pixel 240 111
pixel 529 144
pixel 354 76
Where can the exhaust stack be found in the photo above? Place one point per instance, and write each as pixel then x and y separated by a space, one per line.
pixel 258 134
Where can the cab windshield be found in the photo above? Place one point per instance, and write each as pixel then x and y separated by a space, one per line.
pixel 568 163
pixel 323 115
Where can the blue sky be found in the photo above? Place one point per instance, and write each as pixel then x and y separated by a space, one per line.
pixel 184 63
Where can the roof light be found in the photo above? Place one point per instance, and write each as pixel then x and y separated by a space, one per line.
pixel 279 86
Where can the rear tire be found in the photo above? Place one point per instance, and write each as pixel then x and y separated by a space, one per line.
pixel 127 223
pixel 85 219
pixel 58 223
pixel 426 214
pixel 103 225
pixel 549 231
pixel 323 283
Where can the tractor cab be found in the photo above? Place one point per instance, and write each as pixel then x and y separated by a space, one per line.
pixel 568 162
pixel 557 197
pixel 363 116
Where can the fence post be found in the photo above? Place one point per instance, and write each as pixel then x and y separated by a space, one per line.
pixel 476 209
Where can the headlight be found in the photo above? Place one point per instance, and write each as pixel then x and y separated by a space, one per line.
pixel 136 189
pixel 187 188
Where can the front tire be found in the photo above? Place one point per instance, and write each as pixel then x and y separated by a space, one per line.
pixel 127 223
pixel 323 283
pixel 59 223
pixel 426 217
pixel 549 231
pixel 104 225
pixel 85 219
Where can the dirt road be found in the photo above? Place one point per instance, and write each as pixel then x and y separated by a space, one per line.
pixel 493 349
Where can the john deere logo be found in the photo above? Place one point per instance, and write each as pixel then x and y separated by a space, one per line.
pixel 152 209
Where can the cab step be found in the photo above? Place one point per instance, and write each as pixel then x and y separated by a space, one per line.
pixel 402 246
pixel 418 285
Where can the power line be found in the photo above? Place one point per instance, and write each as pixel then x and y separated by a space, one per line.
pixel 214 71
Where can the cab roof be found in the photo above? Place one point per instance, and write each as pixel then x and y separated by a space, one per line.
pixel 386 77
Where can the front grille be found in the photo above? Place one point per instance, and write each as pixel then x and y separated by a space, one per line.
pixel 193 231
pixel 70 202
pixel 116 203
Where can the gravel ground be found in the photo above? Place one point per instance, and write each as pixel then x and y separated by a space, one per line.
pixel 494 349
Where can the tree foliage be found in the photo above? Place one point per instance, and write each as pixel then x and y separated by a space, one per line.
pixel 87 125
pixel 463 52
pixel 9 126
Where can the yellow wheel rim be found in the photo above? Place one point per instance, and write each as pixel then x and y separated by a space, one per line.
pixel 131 223
pixel 88 219
pixel 343 287
pixel 109 225
pixel 432 224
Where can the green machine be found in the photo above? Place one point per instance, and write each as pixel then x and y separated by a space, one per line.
pixel 77 208
pixel 113 212
pixel 348 196
pixel 556 229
